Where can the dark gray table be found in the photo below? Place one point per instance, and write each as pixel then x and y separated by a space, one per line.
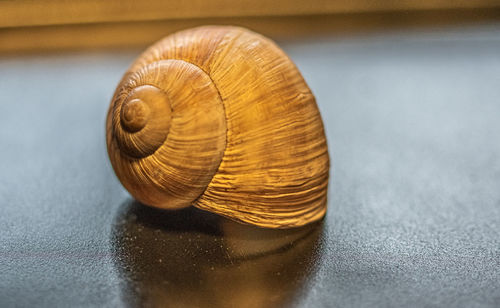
pixel 413 124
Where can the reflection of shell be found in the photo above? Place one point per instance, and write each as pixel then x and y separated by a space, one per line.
pixel 219 117
pixel 191 258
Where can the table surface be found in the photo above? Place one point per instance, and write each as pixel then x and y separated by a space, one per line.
pixel 413 126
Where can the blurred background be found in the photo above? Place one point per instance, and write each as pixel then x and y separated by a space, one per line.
pixel 409 93
pixel 27 25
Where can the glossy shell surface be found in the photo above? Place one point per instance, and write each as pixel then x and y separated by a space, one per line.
pixel 220 118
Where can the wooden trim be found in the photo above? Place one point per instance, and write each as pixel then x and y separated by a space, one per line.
pixel 21 13
pixel 140 34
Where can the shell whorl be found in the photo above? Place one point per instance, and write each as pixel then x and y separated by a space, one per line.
pixel 168 133
pixel 220 118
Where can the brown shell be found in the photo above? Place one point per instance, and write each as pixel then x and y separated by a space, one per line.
pixel 220 118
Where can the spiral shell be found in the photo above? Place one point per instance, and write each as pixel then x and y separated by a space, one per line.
pixel 220 118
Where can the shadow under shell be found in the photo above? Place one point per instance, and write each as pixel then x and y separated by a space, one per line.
pixel 193 258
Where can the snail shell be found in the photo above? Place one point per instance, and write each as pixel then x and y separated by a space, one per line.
pixel 220 118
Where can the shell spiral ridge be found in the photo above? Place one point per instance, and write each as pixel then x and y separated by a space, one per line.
pixel 243 136
pixel 161 163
